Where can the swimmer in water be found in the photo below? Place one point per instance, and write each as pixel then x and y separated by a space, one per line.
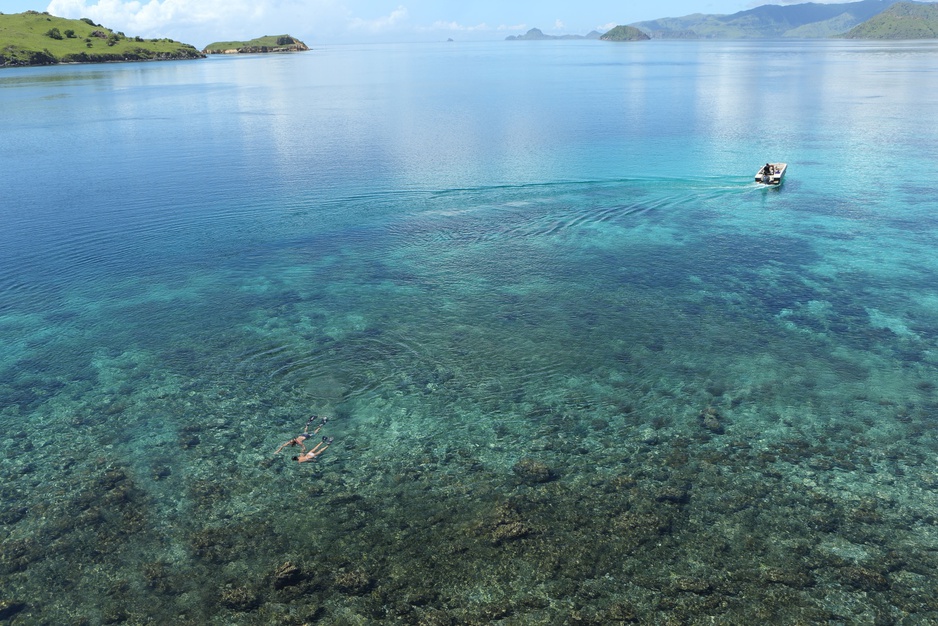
pixel 315 452
pixel 303 436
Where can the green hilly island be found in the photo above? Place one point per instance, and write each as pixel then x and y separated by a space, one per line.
pixel 625 33
pixel 903 20
pixel 267 43
pixel 33 38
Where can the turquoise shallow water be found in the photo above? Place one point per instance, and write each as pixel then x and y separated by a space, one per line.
pixel 580 368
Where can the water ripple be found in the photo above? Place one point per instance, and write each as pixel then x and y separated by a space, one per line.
pixel 553 210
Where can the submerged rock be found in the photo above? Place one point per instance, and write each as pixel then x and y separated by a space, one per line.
pixel 864 579
pixel 287 575
pixel 711 420
pixel 9 608
pixel 509 531
pixel 509 524
pixel 239 599
pixel 531 471
pixel 790 578
pixel 691 584
pixel 354 581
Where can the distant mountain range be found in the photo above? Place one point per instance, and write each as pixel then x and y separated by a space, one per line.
pixel 881 19
pixel 903 20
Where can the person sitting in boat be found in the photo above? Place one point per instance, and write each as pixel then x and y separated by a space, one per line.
pixel 768 170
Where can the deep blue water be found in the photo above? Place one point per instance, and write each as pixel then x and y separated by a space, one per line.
pixel 469 255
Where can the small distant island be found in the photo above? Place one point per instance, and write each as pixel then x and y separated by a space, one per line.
pixel 625 33
pixel 261 45
pixel 536 34
pixel 34 38
pixel 619 33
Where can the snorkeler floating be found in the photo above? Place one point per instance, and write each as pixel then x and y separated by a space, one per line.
pixel 317 450
pixel 299 439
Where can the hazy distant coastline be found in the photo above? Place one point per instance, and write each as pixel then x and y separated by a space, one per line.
pixel 536 34
pixel 34 38
pixel 866 19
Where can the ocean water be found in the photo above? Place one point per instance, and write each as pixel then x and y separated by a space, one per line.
pixel 578 367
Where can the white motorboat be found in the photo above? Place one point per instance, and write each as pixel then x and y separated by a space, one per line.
pixel 771 173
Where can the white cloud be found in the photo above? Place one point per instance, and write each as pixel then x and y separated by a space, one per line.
pixel 204 21
pixel 558 25
pixel 454 26
pixel 381 24
pixel 200 22
pixel 606 27
pixel 155 16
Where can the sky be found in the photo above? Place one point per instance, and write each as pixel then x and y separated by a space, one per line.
pixel 320 22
